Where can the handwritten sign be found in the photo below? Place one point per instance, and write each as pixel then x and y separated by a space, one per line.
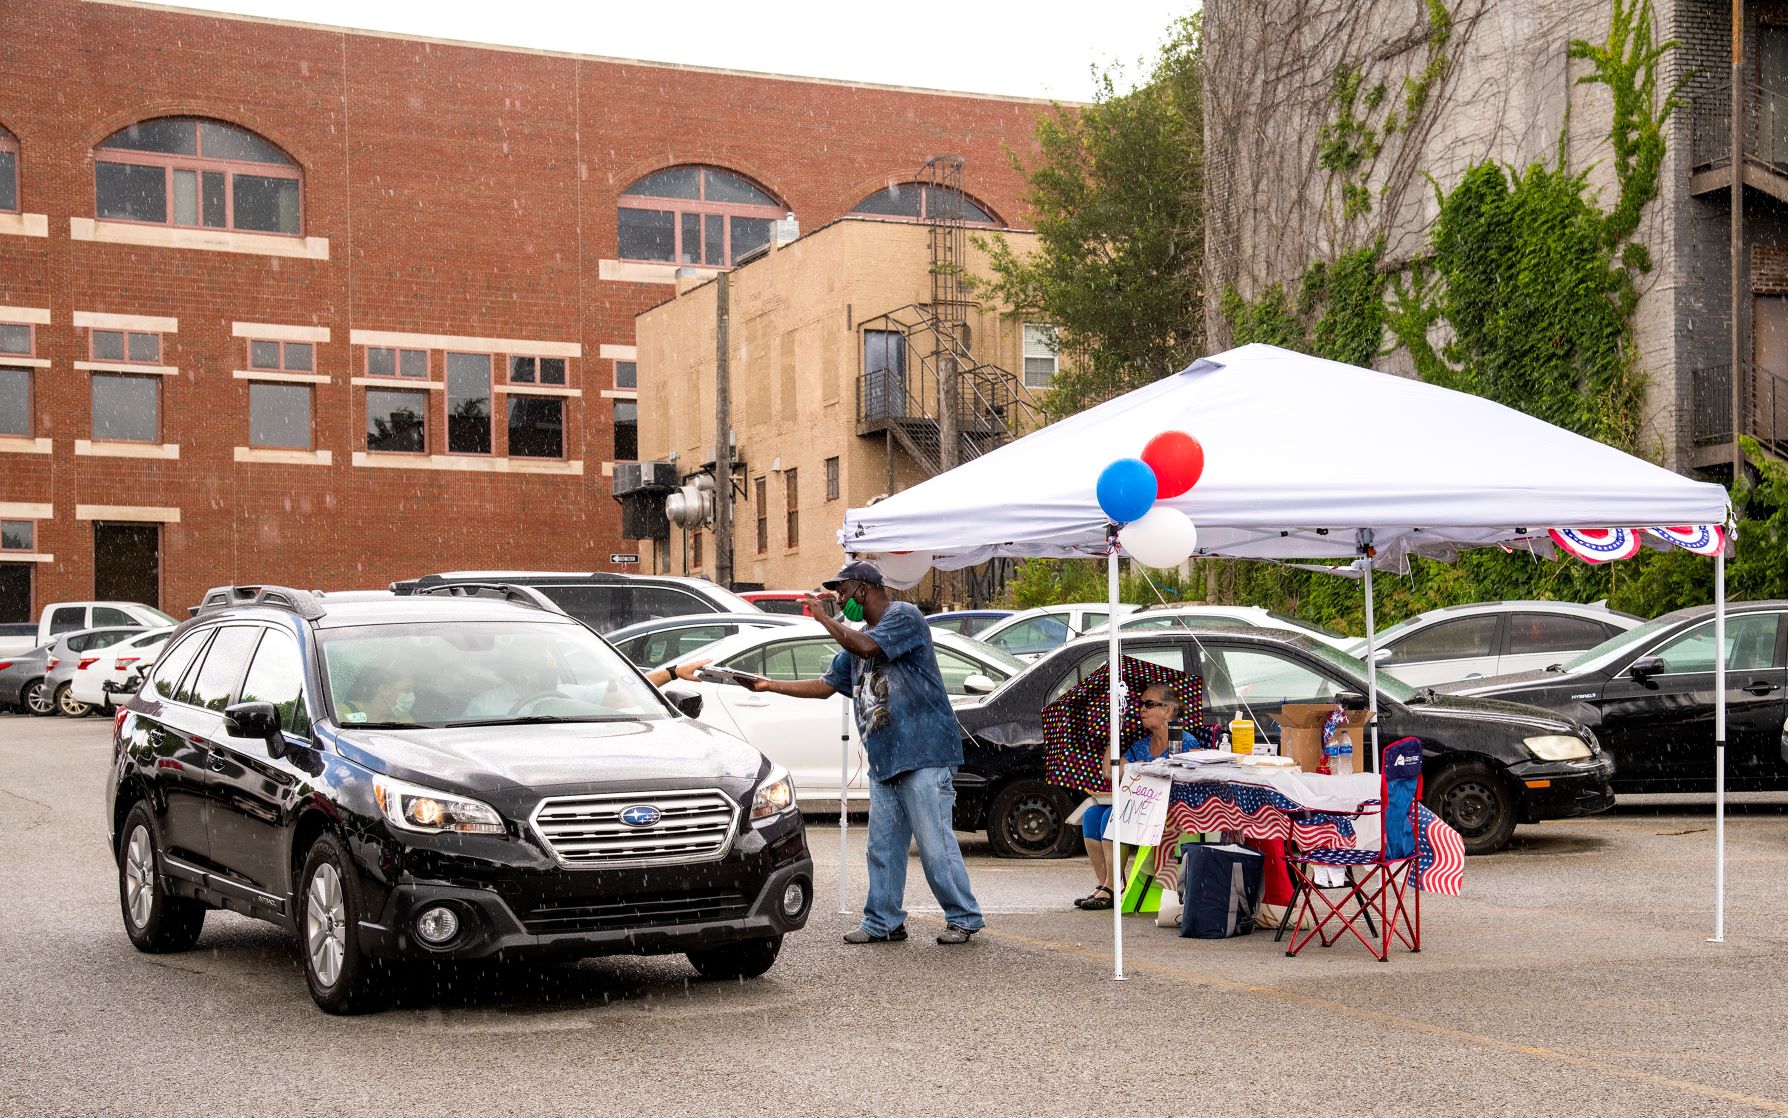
pixel 1144 811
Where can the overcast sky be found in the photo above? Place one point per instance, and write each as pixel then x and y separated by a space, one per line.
pixel 1037 49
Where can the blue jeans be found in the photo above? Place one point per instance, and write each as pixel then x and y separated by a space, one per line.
pixel 917 804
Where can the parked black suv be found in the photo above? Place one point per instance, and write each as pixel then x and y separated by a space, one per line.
pixel 603 600
pixel 440 777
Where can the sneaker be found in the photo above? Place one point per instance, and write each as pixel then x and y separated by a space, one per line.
pixel 864 935
pixel 954 934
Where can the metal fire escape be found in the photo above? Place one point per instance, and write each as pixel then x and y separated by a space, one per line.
pixel 927 392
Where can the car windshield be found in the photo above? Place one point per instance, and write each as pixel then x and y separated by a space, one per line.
pixel 164 617
pixel 1354 669
pixel 1614 647
pixel 480 673
pixel 984 651
pixel 1386 636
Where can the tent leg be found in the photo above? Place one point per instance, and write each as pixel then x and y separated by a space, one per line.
pixel 844 798
pixel 1719 935
pixel 1371 660
pixel 1115 699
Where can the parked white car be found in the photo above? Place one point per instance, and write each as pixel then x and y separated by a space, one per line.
pixel 66 617
pixel 1200 616
pixel 802 735
pixel 114 665
pixel 1030 633
pixel 1492 638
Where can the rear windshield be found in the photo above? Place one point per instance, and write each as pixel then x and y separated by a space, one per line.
pixel 480 673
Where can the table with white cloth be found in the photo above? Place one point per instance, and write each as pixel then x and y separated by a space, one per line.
pixel 1309 810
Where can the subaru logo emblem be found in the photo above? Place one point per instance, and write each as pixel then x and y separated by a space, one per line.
pixel 641 815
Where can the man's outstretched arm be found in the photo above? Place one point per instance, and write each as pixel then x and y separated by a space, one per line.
pixel 798 688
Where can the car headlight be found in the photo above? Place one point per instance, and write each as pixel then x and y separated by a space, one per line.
pixel 1557 747
pixel 774 796
pixel 415 808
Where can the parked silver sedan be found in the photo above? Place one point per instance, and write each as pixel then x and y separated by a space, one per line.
pixel 21 682
pixel 66 655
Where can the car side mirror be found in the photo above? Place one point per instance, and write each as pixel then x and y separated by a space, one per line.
pixel 1645 667
pixel 688 702
pixel 1380 655
pixel 256 720
pixel 979 684
pixel 1351 700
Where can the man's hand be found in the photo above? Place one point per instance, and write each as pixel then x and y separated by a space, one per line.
pixel 687 671
pixel 759 685
pixel 820 603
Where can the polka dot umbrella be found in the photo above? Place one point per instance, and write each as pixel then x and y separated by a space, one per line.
pixel 1076 726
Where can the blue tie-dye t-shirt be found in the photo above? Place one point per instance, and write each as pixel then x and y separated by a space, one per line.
pixel 903 711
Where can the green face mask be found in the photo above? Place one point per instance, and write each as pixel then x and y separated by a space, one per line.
pixel 853 610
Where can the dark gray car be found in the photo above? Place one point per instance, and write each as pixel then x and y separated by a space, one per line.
pixel 21 682
pixel 66 653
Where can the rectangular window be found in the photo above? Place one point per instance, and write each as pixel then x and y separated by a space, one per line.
pixel 279 416
pixel 266 203
pixel 695 550
pixel 692 239
pixel 396 421
pixel 536 427
pixel 626 374
pixel 626 431
pixel 17 535
pixel 126 409
pixel 792 496
pixel 9 180
pixel 713 239
pixel 760 491
pixel 749 235
pixel 1039 355
pixel 291 357
pixel 382 361
pixel 468 403
pixel 536 370
pixel 15 402
pixel 831 479
pixel 16 338
pixel 125 345
pixel 131 192
pixel 647 234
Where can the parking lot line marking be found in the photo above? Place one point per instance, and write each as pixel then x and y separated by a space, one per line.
pixel 1538 1052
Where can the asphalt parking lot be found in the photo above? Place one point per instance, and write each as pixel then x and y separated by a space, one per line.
pixel 1573 977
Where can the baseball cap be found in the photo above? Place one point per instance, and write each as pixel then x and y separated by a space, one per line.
pixel 857 570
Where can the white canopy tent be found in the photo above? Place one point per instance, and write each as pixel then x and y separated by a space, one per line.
pixel 1307 459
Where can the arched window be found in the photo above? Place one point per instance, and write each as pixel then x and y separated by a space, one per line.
pixel 9 172
pixel 200 173
pixel 917 201
pixel 695 215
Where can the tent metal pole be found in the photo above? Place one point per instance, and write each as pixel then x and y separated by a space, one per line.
pixel 1365 539
pixel 1719 935
pixel 1115 706
pixel 844 791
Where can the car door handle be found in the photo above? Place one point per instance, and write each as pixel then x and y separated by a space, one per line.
pixel 1760 687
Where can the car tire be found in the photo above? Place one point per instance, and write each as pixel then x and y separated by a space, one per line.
pixel 1473 798
pixel 156 920
pixel 36 699
pixel 67 704
pixel 330 908
pixel 746 959
pixel 1028 819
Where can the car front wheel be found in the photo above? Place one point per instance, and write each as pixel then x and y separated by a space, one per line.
pixel 1027 819
pixel 341 979
pixel 156 920
pixel 1475 800
pixel 69 705
pixel 745 959
pixel 37 699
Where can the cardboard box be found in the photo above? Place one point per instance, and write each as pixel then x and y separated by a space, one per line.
pixel 1300 734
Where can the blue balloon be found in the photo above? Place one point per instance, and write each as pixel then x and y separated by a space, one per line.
pixel 1127 490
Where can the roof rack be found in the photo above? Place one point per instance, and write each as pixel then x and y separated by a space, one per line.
pixel 507 591
pixel 304 603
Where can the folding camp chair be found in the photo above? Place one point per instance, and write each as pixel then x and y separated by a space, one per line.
pixel 1384 878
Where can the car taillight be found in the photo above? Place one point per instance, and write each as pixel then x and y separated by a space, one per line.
pixel 123 662
pixel 86 662
pixel 4 664
pixel 50 664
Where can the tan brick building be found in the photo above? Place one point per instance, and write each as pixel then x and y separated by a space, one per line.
pixel 299 304
pixel 832 364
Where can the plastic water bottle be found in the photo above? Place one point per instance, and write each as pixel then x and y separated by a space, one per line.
pixel 1342 764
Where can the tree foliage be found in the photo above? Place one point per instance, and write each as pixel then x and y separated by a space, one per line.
pixel 1117 200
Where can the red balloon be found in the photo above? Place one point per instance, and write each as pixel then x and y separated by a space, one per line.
pixel 1178 462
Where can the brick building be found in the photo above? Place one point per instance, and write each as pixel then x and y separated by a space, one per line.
pixel 325 307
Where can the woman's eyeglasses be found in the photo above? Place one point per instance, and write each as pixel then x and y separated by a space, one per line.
pixel 1151 704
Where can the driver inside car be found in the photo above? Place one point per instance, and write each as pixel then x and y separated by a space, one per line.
pixel 525 672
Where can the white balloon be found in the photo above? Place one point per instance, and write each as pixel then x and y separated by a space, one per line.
pixel 904 568
pixel 1164 537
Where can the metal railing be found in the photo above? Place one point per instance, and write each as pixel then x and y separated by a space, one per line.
pixel 1765 125
pixel 1763 406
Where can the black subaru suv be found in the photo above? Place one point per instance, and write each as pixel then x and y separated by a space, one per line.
pixel 440 777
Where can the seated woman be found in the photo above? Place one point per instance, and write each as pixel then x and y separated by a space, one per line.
pixel 381 697
pixel 1159 708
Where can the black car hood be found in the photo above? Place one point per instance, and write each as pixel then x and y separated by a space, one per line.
pixel 1501 684
pixel 667 753
pixel 1491 710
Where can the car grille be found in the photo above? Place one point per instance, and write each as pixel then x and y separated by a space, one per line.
pixel 641 911
pixel 694 826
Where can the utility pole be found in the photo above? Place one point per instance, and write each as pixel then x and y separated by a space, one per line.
pixel 1740 281
pixel 723 442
